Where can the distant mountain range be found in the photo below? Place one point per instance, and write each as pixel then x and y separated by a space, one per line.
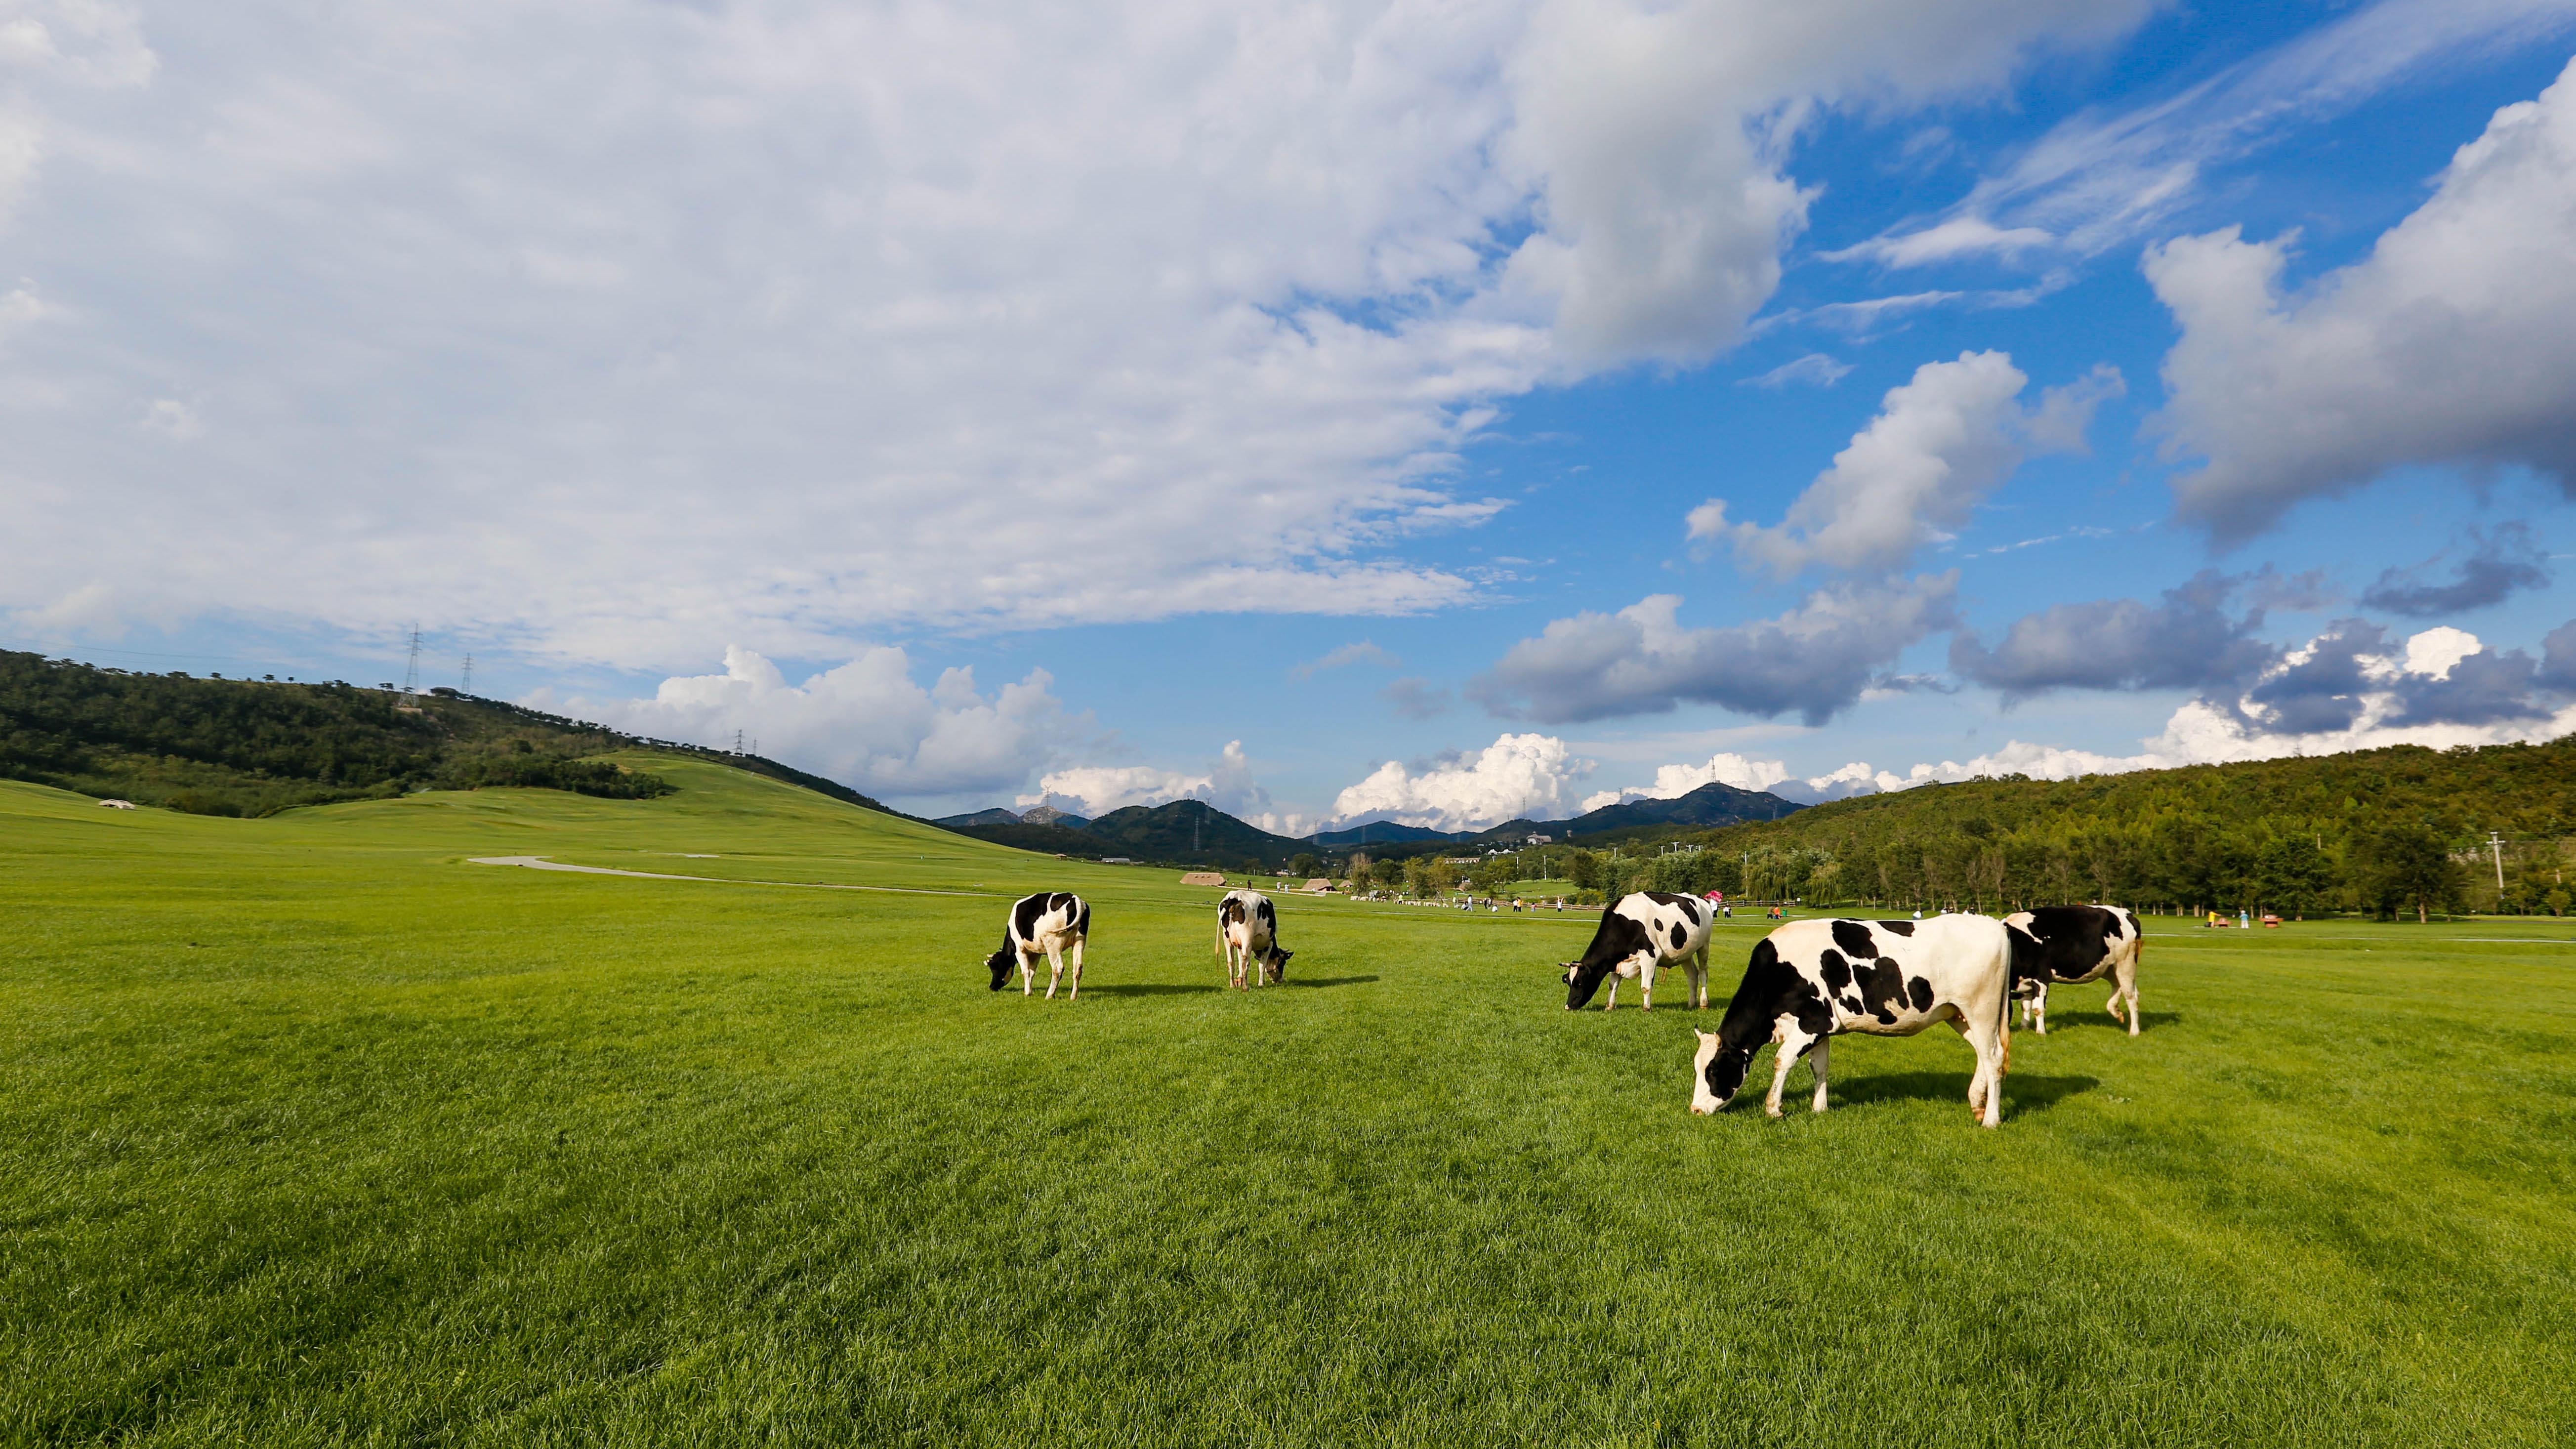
pixel 1196 832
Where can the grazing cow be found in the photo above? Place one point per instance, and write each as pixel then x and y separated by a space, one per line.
pixel 2070 945
pixel 1809 981
pixel 1247 934
pixel 1050 925
pixel 1638 936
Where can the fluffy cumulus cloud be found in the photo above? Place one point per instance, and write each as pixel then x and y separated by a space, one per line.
pixel 1228 784
pixel 840 315
pixel 1813 661
pixel 1529 776
pixel 2352 687
pixel 2453 341
pixel 1674 781
pixel 866 723
pixel 1940 443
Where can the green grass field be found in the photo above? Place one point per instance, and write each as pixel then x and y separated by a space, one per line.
pixel 314 1133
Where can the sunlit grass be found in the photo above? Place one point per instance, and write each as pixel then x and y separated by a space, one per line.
pixel 313 1133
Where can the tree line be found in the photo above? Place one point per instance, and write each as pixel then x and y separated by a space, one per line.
pixel 241 747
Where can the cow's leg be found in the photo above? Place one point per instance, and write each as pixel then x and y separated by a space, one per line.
pixel 1028 971
pixel 1646 985
pixel 1816 1059
pixel 1075 961
pixel 2124 983
pixel 1055 967
pixel 1986 1089
pixel 2038 1013
pixel 1791 1043
pixel 1614 992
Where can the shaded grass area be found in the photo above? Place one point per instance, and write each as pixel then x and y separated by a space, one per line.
pixel 312 1134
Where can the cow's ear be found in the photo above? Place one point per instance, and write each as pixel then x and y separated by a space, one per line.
pixel 1703 1036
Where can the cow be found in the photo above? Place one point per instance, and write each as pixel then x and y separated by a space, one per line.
pixel 2068 946
pixel 1637 936
pixel 1053 925
pixel 1247 936
pixel 1810 981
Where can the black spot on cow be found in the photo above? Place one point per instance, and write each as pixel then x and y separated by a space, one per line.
pixel 1902 928
pixel 1882 988
pixel 1854 938
pixel 1919 991
pixel 1024 916
pixel 1679 935
pixel 1835 970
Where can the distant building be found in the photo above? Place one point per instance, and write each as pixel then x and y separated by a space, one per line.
pixel 1117 860
pixel 1540 839
pixel 116 804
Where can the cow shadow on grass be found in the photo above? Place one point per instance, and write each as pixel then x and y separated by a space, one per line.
pixel 2023 1091
pixel 1315 982
pixel 1149 989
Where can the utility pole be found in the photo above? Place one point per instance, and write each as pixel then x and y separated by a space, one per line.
pixel 2495 843
pixel 411 670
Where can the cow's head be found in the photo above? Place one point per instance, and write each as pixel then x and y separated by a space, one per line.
pixel 1000 962
pixel 1583 978
pixel 1717 1073
pixel 1275 970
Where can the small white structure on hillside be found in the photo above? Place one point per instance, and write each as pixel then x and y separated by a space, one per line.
pixel 116 804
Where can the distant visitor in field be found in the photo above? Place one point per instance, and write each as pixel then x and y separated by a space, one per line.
pixel 1812 980
pixel 1638 936
pixel 1053 926
pixel 1247 936
pixel 2068 946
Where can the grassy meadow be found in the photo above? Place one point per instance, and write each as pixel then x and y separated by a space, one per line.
pixel 312 1132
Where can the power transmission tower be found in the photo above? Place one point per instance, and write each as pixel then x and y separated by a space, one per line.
pixel 737 742
pixel 411 670
pixel 467 685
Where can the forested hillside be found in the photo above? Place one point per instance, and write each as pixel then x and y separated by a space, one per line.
pixel 2383 831
pixel 254 747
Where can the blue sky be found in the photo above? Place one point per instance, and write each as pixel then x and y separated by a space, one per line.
pixel 1321 409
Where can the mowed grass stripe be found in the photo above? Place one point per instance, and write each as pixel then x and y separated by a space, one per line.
pixel 408 1150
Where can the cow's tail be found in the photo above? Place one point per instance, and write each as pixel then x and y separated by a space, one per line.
pixel 2003 1017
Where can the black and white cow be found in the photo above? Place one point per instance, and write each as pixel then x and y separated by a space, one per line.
pixel 1247 936
pixel 1810 981
pixel 2068 946
pixel 1639 935
pixel 1051 925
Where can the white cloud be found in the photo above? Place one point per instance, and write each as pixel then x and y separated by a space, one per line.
pixel 1946 241
pixel 1674 781
pixel 1813 661
pixel 1362 652
pixel 1815 368
pixel 2420 694
pixel 1094 790
pixel 865 723
pixel 2106 177
pixel 1940 443
pixel 1517 776
pixel 848 316
pixel 2435 652
pixel 2454 341
pixel 173 419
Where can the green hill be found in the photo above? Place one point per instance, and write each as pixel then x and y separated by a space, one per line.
pixel 255 747
pixel 2383 831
